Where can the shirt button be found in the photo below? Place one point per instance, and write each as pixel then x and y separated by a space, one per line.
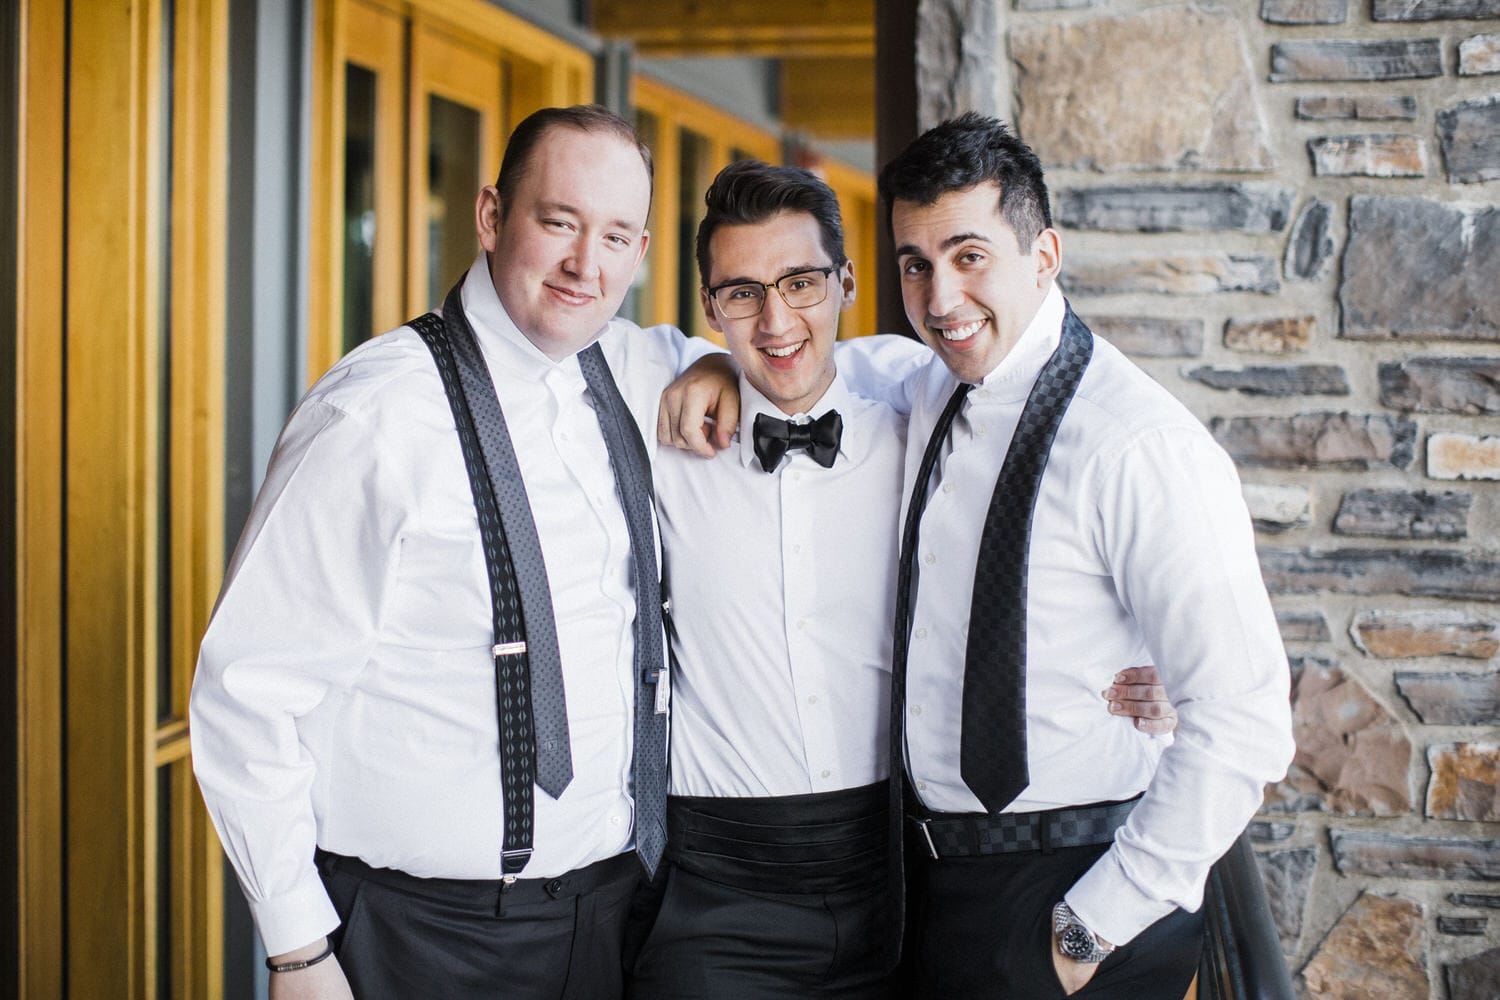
pixel 614 821
pixel 947 487
pixel 981 430
pixel 797 477
pixel 812 699
pixel 796 549
pixel 929 559
pixel 916 710
pixel 921 786
pixel 921 633
pixel 802 623
pixel 826 772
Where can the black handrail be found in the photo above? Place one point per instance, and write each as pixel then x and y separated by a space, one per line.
pixel 1242 957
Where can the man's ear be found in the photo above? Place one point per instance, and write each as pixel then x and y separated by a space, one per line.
pixel 1048 251
pixel 487 217
pixel 709 312
pixel 642 244
pixel 846 284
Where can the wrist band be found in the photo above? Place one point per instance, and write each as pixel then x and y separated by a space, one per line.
pixel 305 963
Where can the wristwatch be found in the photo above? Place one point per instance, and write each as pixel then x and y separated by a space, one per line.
pixel 1074 940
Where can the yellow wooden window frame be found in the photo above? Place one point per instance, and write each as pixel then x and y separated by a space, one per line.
pixel 375 40
pixel 857 199
pixel 536 70
pixel 93 563
pixel 445 66
pixel 675 111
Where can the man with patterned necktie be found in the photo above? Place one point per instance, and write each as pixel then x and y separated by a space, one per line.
pixel 418 573
pixel 1064 516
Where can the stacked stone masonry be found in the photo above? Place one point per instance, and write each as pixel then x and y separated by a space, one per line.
pixel 1288 212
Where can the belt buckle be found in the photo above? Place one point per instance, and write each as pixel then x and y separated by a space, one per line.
pixel 922 822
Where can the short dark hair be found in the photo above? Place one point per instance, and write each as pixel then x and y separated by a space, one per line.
pixel 748 192
pixel 584 118
pixel 962 153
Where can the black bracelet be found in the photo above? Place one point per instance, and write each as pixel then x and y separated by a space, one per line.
pixel 305 963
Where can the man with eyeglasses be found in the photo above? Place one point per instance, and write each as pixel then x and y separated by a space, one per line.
pixel 780 556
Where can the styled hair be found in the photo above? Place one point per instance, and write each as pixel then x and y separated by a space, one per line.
pixel 749 192
pixel 535 126
pixel 965 152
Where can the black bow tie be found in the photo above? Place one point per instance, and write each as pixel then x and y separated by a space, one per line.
pixel 820 438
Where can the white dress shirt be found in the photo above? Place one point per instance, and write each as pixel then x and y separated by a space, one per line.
pixel 345 693
pixel 783 595
pixel 1141 552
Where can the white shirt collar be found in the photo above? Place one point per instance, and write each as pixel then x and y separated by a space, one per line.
pixel 1017 370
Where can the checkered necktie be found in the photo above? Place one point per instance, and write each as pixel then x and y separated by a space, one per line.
pixel 992 747
pixel 632 468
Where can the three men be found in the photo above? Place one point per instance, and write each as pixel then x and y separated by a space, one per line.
pixel 1065 515
pixel 361 660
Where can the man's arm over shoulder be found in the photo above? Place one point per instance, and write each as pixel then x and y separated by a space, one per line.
pixel 689 382
pixel 297 617
pixel 1174 531
pixel 883 367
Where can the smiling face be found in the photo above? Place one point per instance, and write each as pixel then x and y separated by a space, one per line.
pixel 968 289
pixel 786 353
pixel 563 252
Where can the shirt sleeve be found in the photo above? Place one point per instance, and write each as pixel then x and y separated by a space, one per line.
pixel 298 615
pixel 884 367
pixel 1171 525
pixel 680 349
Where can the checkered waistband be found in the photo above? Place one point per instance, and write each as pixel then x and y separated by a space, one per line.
pixel 967 835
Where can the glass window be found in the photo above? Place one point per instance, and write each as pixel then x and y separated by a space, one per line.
pixel 453 153
pixel 359 204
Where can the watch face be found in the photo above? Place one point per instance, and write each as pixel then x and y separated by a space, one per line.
pixel 1076 942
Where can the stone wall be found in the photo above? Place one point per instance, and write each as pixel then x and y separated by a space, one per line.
pixel 1286 211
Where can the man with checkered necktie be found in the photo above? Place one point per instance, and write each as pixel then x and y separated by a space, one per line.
pixel 1065 517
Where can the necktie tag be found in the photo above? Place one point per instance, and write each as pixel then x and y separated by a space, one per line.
pixel 663 682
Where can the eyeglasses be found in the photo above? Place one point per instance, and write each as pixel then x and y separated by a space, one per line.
pixel 800 290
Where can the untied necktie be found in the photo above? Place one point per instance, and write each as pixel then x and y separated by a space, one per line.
pixel 632 469
pixel 992 748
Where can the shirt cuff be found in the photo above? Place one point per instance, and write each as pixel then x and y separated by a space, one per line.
pixel 1111 905
pixel 294 919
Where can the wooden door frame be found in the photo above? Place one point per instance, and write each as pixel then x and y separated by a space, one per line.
pixel 92 565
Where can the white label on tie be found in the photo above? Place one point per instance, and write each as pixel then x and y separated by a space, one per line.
pixel 663 690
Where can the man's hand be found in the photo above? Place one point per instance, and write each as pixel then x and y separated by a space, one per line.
pixel 1137 694
pixel 1074 976
pixel 701 409
pixel 324 981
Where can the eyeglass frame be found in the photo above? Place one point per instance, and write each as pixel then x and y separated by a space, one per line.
pixel 827 272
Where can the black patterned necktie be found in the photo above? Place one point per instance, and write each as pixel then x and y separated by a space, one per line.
pixel 992 746
pixel 531 704
pixel 775 437
pixel 632 468
pixel 900 645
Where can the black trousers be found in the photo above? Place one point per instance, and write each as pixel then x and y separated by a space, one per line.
pixel 540 939
pixel 981 929
pixel 771 898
